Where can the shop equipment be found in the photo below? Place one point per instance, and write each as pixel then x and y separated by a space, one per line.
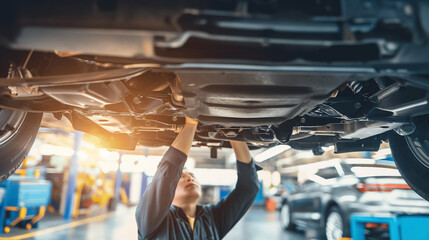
pixel 23 202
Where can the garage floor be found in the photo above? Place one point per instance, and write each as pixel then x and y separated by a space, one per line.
pixel 256 224
pixel 259 224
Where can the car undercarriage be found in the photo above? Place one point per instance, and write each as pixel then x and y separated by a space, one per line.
pixel 307 108
pixel 304 73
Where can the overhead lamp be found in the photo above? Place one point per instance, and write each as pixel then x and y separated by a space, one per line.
pixel 382 153
pixel 271 152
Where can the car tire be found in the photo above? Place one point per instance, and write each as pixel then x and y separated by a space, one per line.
pixel 286 218
pixel 411 155
pixel 18 131
pixel 335 224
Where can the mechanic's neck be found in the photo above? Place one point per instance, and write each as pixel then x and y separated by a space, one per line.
pixel 190 208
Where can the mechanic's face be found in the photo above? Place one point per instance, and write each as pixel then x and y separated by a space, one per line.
pixel 188 189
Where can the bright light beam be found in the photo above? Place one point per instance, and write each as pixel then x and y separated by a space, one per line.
pixel 271 152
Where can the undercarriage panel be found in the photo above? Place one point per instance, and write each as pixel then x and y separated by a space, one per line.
pixel 255 95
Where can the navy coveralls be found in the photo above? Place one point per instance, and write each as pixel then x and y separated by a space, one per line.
pixel 157 218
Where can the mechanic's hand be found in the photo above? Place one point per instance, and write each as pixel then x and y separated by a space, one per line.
pixel 242 152
pixel 183 141
pixel 191 121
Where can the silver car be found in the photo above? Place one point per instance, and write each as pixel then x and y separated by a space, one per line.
pixel 327 199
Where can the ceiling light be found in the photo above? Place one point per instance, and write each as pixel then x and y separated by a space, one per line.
pixel 271 152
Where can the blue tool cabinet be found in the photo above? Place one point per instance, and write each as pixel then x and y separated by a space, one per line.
pixel 401 227
pixel 24 202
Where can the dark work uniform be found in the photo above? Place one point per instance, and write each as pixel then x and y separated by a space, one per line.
pixel 158 219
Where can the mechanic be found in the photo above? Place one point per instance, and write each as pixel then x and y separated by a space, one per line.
pixel 169 207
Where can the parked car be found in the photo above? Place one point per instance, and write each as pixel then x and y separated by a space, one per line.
pixel 327 199
pixel 308 73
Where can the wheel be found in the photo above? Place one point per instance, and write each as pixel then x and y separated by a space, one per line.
pixel 18 131
pixel 411 155
pixel 28 226
pixel 335 226
pixel 6 229
pixel 286 218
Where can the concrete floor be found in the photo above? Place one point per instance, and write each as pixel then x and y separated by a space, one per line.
pixel 256 224
pixel 259 224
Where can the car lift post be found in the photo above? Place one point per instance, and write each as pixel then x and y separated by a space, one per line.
pixel 71 184
pixel 118 181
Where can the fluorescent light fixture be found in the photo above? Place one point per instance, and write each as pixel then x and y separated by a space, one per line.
pixel 271 152
pixel 375 172
pixel 365 161
pixel 383 153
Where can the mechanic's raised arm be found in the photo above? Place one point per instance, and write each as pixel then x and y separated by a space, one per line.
pixel 230 209
pixel 156 200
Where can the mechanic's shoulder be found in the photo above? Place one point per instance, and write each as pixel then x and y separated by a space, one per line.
pixel 207 208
